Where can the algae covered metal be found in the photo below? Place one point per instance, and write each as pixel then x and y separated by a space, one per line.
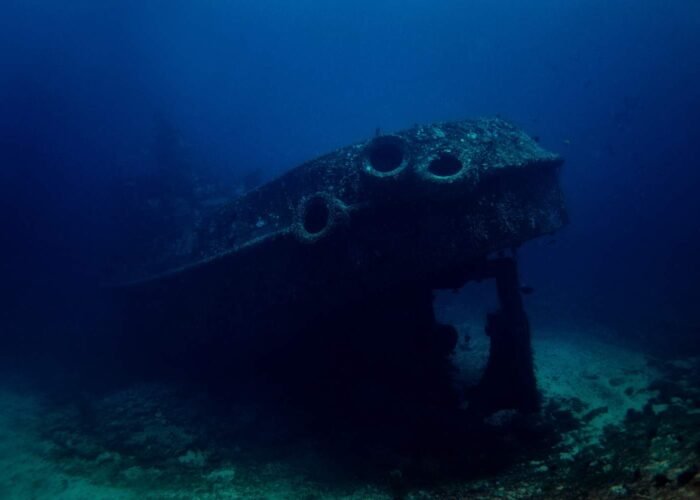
pixel 403 206
pixel 417 210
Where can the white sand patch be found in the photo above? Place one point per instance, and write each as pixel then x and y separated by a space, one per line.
pixel 603 376
pixel 598 381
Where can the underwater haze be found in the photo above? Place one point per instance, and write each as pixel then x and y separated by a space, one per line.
pixel 121 119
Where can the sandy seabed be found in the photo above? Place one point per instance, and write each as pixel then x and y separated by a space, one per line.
pixel 628 426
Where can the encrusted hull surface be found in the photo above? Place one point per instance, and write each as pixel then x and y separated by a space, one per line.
pixel 421 207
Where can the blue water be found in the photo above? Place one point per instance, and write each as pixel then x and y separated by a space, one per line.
pixel 242 91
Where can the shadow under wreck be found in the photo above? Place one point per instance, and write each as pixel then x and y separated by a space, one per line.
pixel 318 286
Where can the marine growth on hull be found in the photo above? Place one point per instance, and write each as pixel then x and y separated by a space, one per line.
pixel 320 283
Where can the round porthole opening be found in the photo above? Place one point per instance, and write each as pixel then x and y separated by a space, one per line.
pixel 385 155
pixel 445 165
pixel 316 216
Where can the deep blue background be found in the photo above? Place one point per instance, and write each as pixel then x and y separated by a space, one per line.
pixel 612 85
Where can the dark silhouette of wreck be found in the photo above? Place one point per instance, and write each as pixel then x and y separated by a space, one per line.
pixel 322 280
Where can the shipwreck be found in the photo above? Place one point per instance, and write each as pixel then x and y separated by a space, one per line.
pixel 326 274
